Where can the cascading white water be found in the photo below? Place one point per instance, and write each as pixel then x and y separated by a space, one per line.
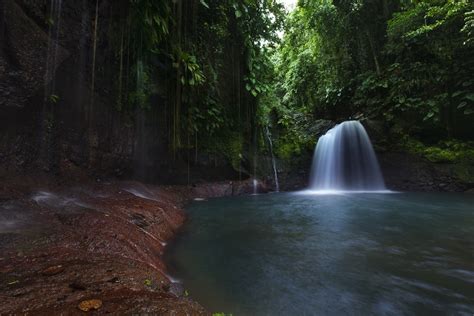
pixel 275 170
pixel 255 186
pixel 344 160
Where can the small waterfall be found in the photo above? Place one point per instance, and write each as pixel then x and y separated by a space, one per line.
pixel 254 179
pixel 255 186
pixel 275 171
pixel 344 160
pixel 92 138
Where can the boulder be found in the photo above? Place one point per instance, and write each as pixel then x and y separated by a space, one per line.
pixel 320 127
pixel 376 130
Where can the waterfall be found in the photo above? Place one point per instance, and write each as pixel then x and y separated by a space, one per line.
pixel 344 160
pixel 254 179
pixel 275 171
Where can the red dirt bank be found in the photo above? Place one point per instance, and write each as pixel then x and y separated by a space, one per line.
pixel 95 241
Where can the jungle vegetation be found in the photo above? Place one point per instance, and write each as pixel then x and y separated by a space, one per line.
pixel 233 68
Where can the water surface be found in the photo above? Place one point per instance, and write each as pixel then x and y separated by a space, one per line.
pixel 346 254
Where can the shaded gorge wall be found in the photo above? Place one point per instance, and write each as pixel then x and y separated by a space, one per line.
pixel 80 89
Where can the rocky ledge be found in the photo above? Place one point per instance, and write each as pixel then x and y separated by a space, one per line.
pixel 94 247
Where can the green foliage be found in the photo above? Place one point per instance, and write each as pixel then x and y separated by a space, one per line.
pixel 53 98
pixel 204 3
pixel 296 138
pixel 228 73
pixel 192 73
pixel 206 118
pixel 139 96
pixel 431 76
pixel 449 151
pixel 227 144
pixel 406 62
pixel 214 59
pixel 49 21
pixel 258 22
pixel 468 28
pixel 141 35
pixel 149 20
pixel 435 16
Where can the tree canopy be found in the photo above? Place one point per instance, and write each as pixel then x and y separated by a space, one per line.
pixel 230 72
pixel 408 63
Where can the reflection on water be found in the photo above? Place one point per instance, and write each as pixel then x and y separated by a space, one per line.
pixel 356 254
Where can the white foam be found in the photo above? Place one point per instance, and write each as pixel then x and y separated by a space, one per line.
pixel 342 192
pixel 144 194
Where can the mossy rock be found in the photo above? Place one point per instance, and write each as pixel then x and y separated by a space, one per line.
pixel 438 155
pixel 464 172
pixel 449 151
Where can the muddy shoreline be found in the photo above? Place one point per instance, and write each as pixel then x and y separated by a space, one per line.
pixel 65 243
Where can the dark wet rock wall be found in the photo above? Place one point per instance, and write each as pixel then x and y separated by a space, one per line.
pixel 56 109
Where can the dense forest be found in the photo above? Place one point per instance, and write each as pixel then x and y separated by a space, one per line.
pixel 407 64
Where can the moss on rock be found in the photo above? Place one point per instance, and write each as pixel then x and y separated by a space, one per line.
pixel 448 151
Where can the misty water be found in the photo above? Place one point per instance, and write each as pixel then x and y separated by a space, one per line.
pixel 344 159
pixel 354 254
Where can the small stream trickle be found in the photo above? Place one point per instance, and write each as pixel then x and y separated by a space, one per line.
pixel 94 53
pixel 274 166
pixel 255 186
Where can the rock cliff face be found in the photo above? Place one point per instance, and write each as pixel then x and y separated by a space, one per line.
pixel 45 89
pixel 408 172
pixel 58 100
pixel 402 172
pixel 23 55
